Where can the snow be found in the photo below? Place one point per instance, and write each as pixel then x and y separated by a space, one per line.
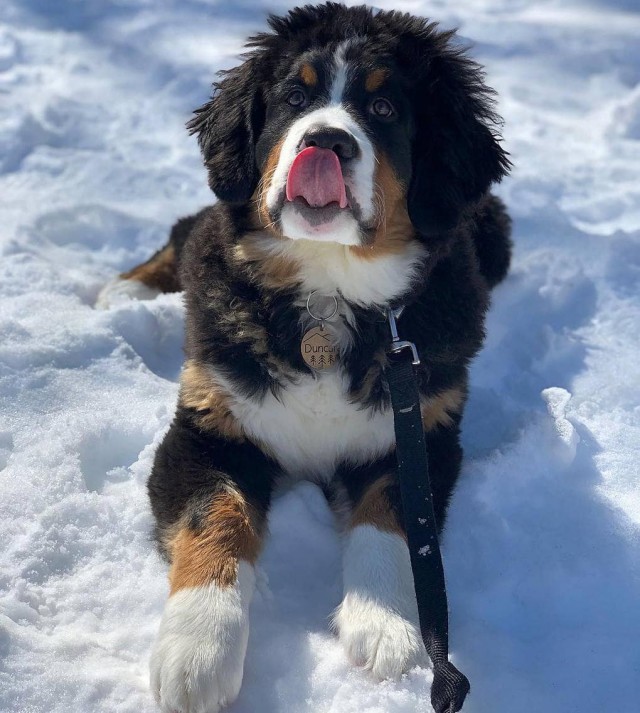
pixel 542 548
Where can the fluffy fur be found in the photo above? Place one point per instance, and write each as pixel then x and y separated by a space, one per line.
pixel 198 656
pixel 412 124
pixel 378 619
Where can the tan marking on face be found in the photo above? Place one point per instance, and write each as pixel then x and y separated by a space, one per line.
pixel 438 410
pixel 232 531
pixel 394 231
pixel 308 75
pixel 376 79
pixel 273 271
pixel 199 391
pixel 375 509
pixel 158 272
pixel 260 196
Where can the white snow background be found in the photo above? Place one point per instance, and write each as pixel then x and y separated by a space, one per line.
pixel 542 547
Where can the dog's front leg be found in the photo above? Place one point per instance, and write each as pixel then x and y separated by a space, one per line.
pixel 198 657
pixel 377 621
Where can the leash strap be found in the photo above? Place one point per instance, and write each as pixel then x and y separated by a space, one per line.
pixel 450 687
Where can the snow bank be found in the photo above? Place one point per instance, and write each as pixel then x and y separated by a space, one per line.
pixel 542 548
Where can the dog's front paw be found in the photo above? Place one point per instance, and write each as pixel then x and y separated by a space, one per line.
pixel 198 656
pixel 378 638
pixel 378 619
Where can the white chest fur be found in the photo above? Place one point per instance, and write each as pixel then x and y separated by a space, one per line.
pixel 312 426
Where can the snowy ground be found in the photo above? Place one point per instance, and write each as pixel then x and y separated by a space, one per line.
pixel 543 545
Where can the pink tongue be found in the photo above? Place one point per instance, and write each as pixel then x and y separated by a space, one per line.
pixel 316 176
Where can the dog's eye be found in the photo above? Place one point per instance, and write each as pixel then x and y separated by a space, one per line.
pixel 296 97
pixel 382 107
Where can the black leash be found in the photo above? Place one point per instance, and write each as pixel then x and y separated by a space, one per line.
pixel 449 687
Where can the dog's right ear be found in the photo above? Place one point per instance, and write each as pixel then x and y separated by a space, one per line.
pixel 228 127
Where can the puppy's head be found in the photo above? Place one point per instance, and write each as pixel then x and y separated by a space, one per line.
pixel 341 120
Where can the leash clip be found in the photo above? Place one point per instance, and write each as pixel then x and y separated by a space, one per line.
pixel 397 344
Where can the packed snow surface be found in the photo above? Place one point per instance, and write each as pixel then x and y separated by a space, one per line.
pixel 542 547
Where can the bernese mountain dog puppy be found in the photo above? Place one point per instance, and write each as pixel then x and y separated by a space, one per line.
pixel 351 153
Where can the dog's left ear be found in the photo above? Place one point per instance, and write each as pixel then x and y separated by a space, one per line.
pixel 456 153
pixel 228 127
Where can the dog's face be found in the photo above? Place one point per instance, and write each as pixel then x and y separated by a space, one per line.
pixel 338 131
pixel 344 121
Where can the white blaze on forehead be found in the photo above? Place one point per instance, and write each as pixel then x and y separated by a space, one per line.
pixel 340 74
pixel 358 175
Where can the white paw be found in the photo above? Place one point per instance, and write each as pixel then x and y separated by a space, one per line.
pixel 198 657
pixel 378 638
pixel 118 291
pixel 377 621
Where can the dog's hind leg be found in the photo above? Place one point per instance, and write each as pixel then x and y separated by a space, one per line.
pixel 157 275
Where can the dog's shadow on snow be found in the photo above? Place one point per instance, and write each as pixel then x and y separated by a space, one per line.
pixel 542 575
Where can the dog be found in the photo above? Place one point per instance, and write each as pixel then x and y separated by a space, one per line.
pixel 351 152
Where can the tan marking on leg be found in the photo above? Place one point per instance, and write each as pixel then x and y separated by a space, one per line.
pixel 375 509
pixel 231 532
pixel 158 272
pixel 199 391
pixel 375 79
pixel 438 410
pixel 308 75
pixel 395 230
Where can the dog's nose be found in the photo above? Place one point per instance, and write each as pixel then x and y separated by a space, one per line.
pixel 338 140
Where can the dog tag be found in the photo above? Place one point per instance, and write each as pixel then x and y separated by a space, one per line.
pixel 318 349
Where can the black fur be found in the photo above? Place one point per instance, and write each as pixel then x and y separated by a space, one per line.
pixel 491 240
pixel 444 319
pixel 455 156
pixel 455 148
pixel 191 467
pixel 444 148
pixel 227 128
